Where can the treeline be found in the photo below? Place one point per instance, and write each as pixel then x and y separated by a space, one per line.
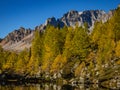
pixel 69 52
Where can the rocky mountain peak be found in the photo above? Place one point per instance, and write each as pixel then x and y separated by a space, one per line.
pixel 73 17
pixel 51 21
pixel 17 35
pixel 70 18
pixel 72 14
pixel 22 38
pixel 89 16
pixel 18 39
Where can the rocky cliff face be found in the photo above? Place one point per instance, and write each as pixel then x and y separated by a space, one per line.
pixel 72 18
pixel 17 35
pixel 18 39
pixel 22 38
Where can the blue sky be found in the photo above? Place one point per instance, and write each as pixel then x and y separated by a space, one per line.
pixel 30 13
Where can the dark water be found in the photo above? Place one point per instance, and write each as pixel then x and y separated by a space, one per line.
pixel 50 87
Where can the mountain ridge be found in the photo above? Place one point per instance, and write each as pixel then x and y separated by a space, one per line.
pixel 20 39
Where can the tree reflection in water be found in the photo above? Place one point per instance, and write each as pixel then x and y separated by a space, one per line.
pixel 50 87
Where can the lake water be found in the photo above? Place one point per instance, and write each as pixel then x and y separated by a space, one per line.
pixel 50 87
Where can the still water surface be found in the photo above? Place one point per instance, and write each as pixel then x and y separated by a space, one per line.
pixel 49 87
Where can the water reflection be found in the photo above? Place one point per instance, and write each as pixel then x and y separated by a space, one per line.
pixel 50 87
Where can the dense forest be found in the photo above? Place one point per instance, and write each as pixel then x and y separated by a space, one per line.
pixel 66 53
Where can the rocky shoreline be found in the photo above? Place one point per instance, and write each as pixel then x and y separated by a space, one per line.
pixel 16 79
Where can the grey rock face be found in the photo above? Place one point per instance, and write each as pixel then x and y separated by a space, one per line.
pixel 74 17
pixel 51 21
pixel 70 18
pixel 18 39
pixel 17 35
